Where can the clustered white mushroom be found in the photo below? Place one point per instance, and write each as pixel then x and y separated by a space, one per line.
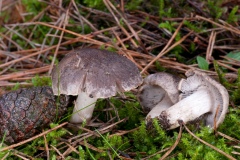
pixel 91 74
pixel 158 92
pixel 199 97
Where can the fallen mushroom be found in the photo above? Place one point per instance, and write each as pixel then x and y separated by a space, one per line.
pixel 158 92
pixel 92 74
pixel 201 96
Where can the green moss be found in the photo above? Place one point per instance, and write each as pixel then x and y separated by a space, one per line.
pixel 41 81
pixel 33 7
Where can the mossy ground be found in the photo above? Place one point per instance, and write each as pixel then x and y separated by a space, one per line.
pixel 140 30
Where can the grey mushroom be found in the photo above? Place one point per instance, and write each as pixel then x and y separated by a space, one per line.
pixel 92 74
pixel 158 92
pixel 201 96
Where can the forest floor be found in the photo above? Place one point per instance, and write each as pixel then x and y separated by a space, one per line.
pixel 157 36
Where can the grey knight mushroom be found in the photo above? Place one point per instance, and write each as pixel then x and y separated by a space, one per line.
pixel 201 96
pixel 158 92
pixel 91 74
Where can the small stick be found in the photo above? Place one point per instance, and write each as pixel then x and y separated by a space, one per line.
pixel 60 154
pixel 219 25
pixel 35 137
pixel 210 46
pixel 174 145
pixel 165 50
pixel 46 147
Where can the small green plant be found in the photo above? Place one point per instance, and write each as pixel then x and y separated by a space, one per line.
pixel 2 154
pixel 234 55
pixel 159 67
pixel 214 8
pixel 202 63
pixel 81 153
pixel 165 10
pixel 168 25
pixel 232 17
pixel 133 4
pixel 97 4
pixel 16 86
pixel 192 26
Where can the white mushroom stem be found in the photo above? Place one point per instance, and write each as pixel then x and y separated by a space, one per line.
pixel 164 104
pixel 187 109
pixel 83 108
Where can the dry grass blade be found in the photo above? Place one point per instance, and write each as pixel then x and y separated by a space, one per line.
pixel 25 57
pixel 120 133
pixel 30 139
pixel 69 150
pixel 24 73
pixel 219 25
pixel 227 137
pixel 236 153
pixel 227 66
pixel 128 25
pixel 64 21
pixel 5 156
pixel 106 2
pixel 210 46
pixel 83 37
pixel 46 147
pixel 102 130
pixel 91 146
pixel 20 156
pixel 164 150
pixel 209 145
pixel 59 153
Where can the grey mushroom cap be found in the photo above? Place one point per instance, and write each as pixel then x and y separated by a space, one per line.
pixel 154 88
pixel 99 73
pixel 219 95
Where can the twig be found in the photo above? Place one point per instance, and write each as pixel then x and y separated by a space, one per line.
pixel 210 46
pixel 31 139
pixel 118 22
pixel 174 145
pixel 59 42
pixel 46 147
pixel 24 73
pixel 58 152
pixel 227 137
pixel 165 50
pixel 219 25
